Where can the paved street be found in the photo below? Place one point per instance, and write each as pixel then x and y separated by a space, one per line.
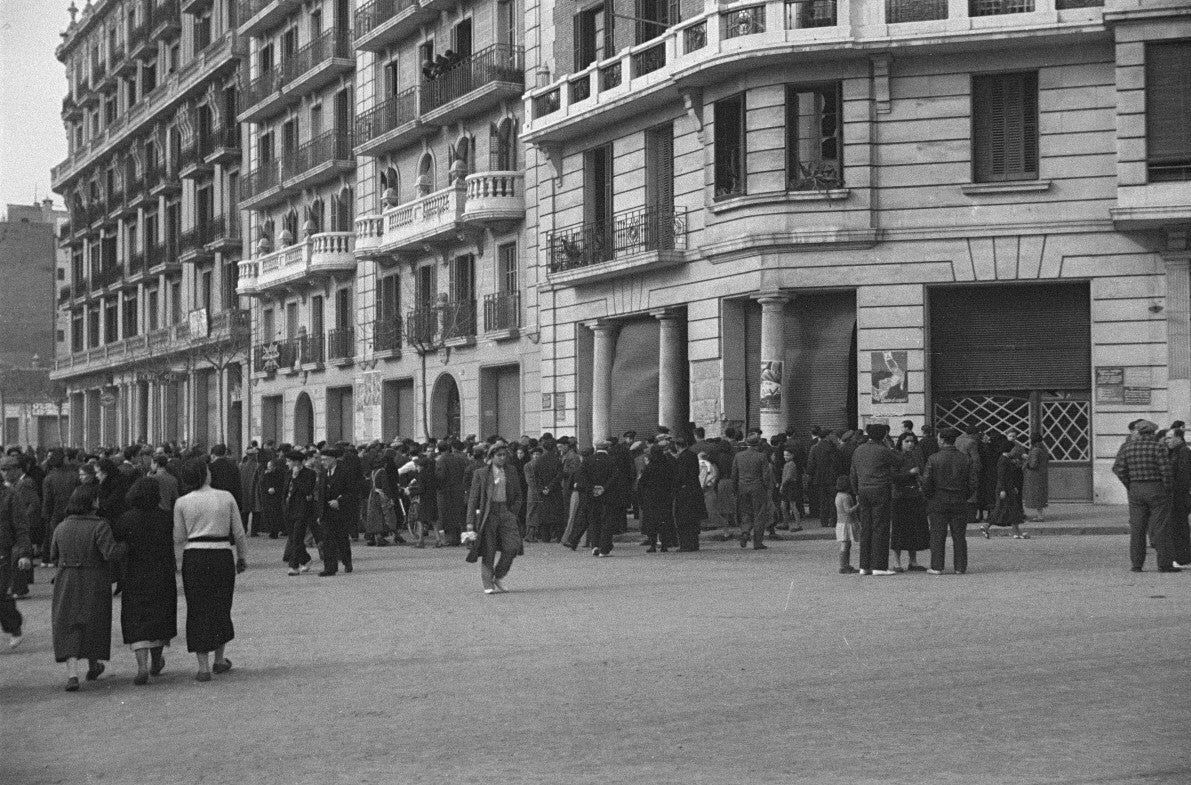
pixel 1049 663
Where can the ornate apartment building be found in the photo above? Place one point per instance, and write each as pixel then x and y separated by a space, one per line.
pixel 811 212
pixel 385 201
pixel 154 331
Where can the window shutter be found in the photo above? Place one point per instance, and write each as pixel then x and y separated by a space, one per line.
pixel 1005 127
pixel 578 43
pixel 609 29
pixel 1168 102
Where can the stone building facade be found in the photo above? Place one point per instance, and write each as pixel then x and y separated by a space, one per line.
pixel 156 342
pixel 823 214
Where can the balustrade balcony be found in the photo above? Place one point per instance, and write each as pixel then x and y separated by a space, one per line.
pixel 422 329
pixel 380 23
pixel 719 44
pixel 226 144
pixel 106 277
pixel 312 259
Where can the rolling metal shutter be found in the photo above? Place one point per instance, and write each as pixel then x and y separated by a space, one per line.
pixel 1011 337
pixel 508 401
pixel 635 379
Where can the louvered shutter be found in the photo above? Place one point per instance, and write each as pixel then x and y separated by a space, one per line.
pixel 580 55
pixel 1005 127
pixel 609 29
pixel 1168 103
pixel 1020 337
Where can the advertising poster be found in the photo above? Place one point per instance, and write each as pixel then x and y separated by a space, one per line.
pixel 771 385
pixel 888 375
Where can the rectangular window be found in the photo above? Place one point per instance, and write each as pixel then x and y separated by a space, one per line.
pixel 265 149
pixel 153 308
pixel 206 292
pixel 506 273
pixel 652 19
pixel 317 320
pixel 1005 127
pixel 389 298
pixel 176 301
pixel 463 278
pixel 202 31
pixel 268 325
pixel 814 137
pixel 344 316
pixel 76 331
pixel 462 38
pixel 130 316
pixel 1168 111
pixel 427 286
pixel 93 327
pixel 291 321
pixel 729 147
pixel 111 322
pixel 597 187
pixel 594 35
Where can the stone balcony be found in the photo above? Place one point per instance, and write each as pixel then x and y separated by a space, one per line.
pixel 485 199
pixel 719 44
pixel 316 257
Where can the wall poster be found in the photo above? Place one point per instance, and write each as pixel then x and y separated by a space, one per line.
pixel 771 385
pixel 888 377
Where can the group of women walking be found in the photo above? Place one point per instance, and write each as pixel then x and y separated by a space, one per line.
pixel 128 533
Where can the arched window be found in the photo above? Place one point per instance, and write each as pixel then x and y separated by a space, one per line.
pixel 314 213
pixel 389 179
pixel 426 174
pixel 502 145
pixel 289 224
pixel 463 150
pixel 345 209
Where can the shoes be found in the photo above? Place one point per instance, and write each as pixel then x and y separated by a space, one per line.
pixel 916 568
pixel 760 547
pixel 305 567
pixel 370 542
pixel 326 574
pixel 596 552
pixel 222 667
pixel 22 596
pixel 652 549
pixel 934 572
pixel 1135 569
pixel 141 679
pixel 1021 536
pixel 202 676
pixel 15 641
pixel 744 542
pixel 490 591
pixel 1182 566
pixel 884 572
pixel 293 572
pixel 795 528
pixel 499 586
pixel 347 568
pixel 866 572
pixel 158 662
pixel 46 564
pixel 72 684
pixel 382 543
pixel 984 531
pixel 1169 569
pixel 847 569
pixel 95 671
pixel 272 535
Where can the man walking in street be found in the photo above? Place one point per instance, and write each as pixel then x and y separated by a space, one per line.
pixel 752 480
pixel 1143 467
pixel 873 466
pixel 336 521
pixel 948 481
pixel 22 486
pixel 300 511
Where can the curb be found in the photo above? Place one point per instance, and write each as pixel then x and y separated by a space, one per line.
pixel 820 533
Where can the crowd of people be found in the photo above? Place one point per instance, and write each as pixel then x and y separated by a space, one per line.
pixel 130 518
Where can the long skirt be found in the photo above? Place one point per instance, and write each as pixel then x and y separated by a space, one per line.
pixel 909 529
pixel 209 581
pixel 381 517
pixel 1008 511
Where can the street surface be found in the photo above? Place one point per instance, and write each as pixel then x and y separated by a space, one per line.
pixel 1048 663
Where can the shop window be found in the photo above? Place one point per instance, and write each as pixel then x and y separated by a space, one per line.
pixel 1005 127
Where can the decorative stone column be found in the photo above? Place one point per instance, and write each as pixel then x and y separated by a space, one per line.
pixel 773 355
pixel 671 357
pixel 601 392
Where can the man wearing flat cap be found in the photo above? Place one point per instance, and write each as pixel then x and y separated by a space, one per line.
pixel 752 481
pixel 492 506
pixel 1143 467
pixel 336 490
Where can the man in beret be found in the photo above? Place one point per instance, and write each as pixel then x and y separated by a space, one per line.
pixel 1143 467
pixel 873 467
pixel 336 493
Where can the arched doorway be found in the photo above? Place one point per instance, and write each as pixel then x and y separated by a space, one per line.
pixel 445 410
pixel 303 420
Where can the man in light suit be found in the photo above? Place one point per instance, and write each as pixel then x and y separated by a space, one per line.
pixel 492 507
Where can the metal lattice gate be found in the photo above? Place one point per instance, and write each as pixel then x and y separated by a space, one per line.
pixel 1066 429
pixel 1000 413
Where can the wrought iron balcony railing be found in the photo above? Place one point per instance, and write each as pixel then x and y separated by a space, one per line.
pixel 502 311
pixel 394 111
pixel 634 231
pixel 332 43
pixel 341 344
pixel 458 319
pixel 374 14
pixel 311 349
pixel 422 328
pixel 496 63
pixel 386 334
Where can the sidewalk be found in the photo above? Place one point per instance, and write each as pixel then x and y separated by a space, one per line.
pixel 1074 518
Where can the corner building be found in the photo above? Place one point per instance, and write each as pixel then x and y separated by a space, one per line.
pixel 154 233
pixel 807 212
pixel 387 265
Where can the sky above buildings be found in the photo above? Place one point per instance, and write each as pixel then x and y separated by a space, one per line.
pixel 32 84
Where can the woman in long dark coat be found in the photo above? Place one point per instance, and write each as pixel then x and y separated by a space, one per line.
pixel 272 492
pixel 426 486
pixel 380 518
pixel 655 489
pixel 690 509
pixel 909 530
pixel 149 611
pixel 1008 511
pixel 83 548
pixel 989 448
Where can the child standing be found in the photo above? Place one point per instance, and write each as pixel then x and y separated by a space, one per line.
pixel 845 524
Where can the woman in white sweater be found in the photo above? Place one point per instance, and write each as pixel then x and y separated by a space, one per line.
pixel 207 528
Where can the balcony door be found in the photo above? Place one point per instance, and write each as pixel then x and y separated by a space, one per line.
pixel 597 201
pixel 317 318
pixel 427 289
pixel 462 39
pixel 659 188
pixel 343 309
pixel 291 321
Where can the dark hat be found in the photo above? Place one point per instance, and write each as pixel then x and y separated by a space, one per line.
pixel 876 430
pixel 494 449
pixel 295 455
pixel 1145 426
pixel 753 440
pixel 333 452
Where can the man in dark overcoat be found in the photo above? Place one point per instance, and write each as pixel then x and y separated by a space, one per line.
pixel 492 506
pixel 450 472
pixel 337 512
pixel 300 510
